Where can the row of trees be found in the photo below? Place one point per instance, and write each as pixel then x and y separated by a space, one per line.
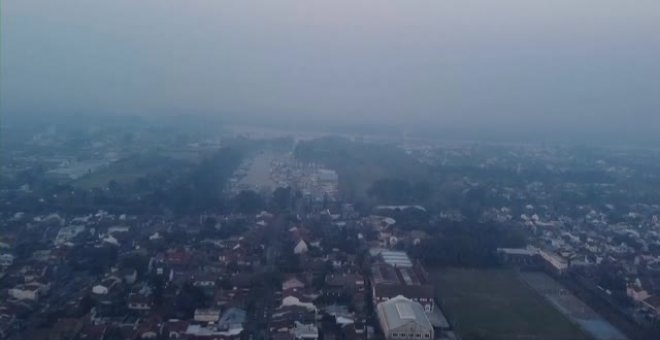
pixel 202 188
pixel 400 191
pixel 467 244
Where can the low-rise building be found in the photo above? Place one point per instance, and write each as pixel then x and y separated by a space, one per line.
pixel 30 291
pixel 389 281
pixel 555 262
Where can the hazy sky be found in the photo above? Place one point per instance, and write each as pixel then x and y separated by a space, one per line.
pixel 506 63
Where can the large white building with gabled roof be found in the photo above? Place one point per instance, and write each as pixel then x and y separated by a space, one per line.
pixel 403 319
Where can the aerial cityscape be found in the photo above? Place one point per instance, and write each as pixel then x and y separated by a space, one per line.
pixel 151 233
pixel 329 170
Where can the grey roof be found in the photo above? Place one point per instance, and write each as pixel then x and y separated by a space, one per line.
pixel 400 311
pixel 396 258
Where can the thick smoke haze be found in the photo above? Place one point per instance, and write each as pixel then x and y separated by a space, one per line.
pixel 509 64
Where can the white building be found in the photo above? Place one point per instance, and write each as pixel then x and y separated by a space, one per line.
pixel 294 301
pixel 100 290
pixel 30 291
pixel 403 319
pixel 106 285
pixel 301 247
pixel 23 293
pixel 292 283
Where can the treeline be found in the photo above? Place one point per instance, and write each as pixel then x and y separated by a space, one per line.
pixel 399 191
pixel 466 244
pixel 202 188
pixel 167 185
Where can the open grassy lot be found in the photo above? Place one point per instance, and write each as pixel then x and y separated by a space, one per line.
pixel 495 304
pixel 127 170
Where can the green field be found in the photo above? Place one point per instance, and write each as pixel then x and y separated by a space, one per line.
pixel 495 304
pixel 127 170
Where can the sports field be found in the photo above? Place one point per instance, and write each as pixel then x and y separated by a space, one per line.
pixel 495 304
pixel 569 305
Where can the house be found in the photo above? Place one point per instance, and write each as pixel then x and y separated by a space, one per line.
pixel 295 301
pixel 300 248
pixel 403 319
pixel 106 285
pixel 231 298
pixel 29 291
pixel 294 308
pixel 284 318
pixel 110 240
pixel 100 290
pixel 292 283
pixel 337 285
pixel 35 272
pixel 139 302
pixel 637 293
